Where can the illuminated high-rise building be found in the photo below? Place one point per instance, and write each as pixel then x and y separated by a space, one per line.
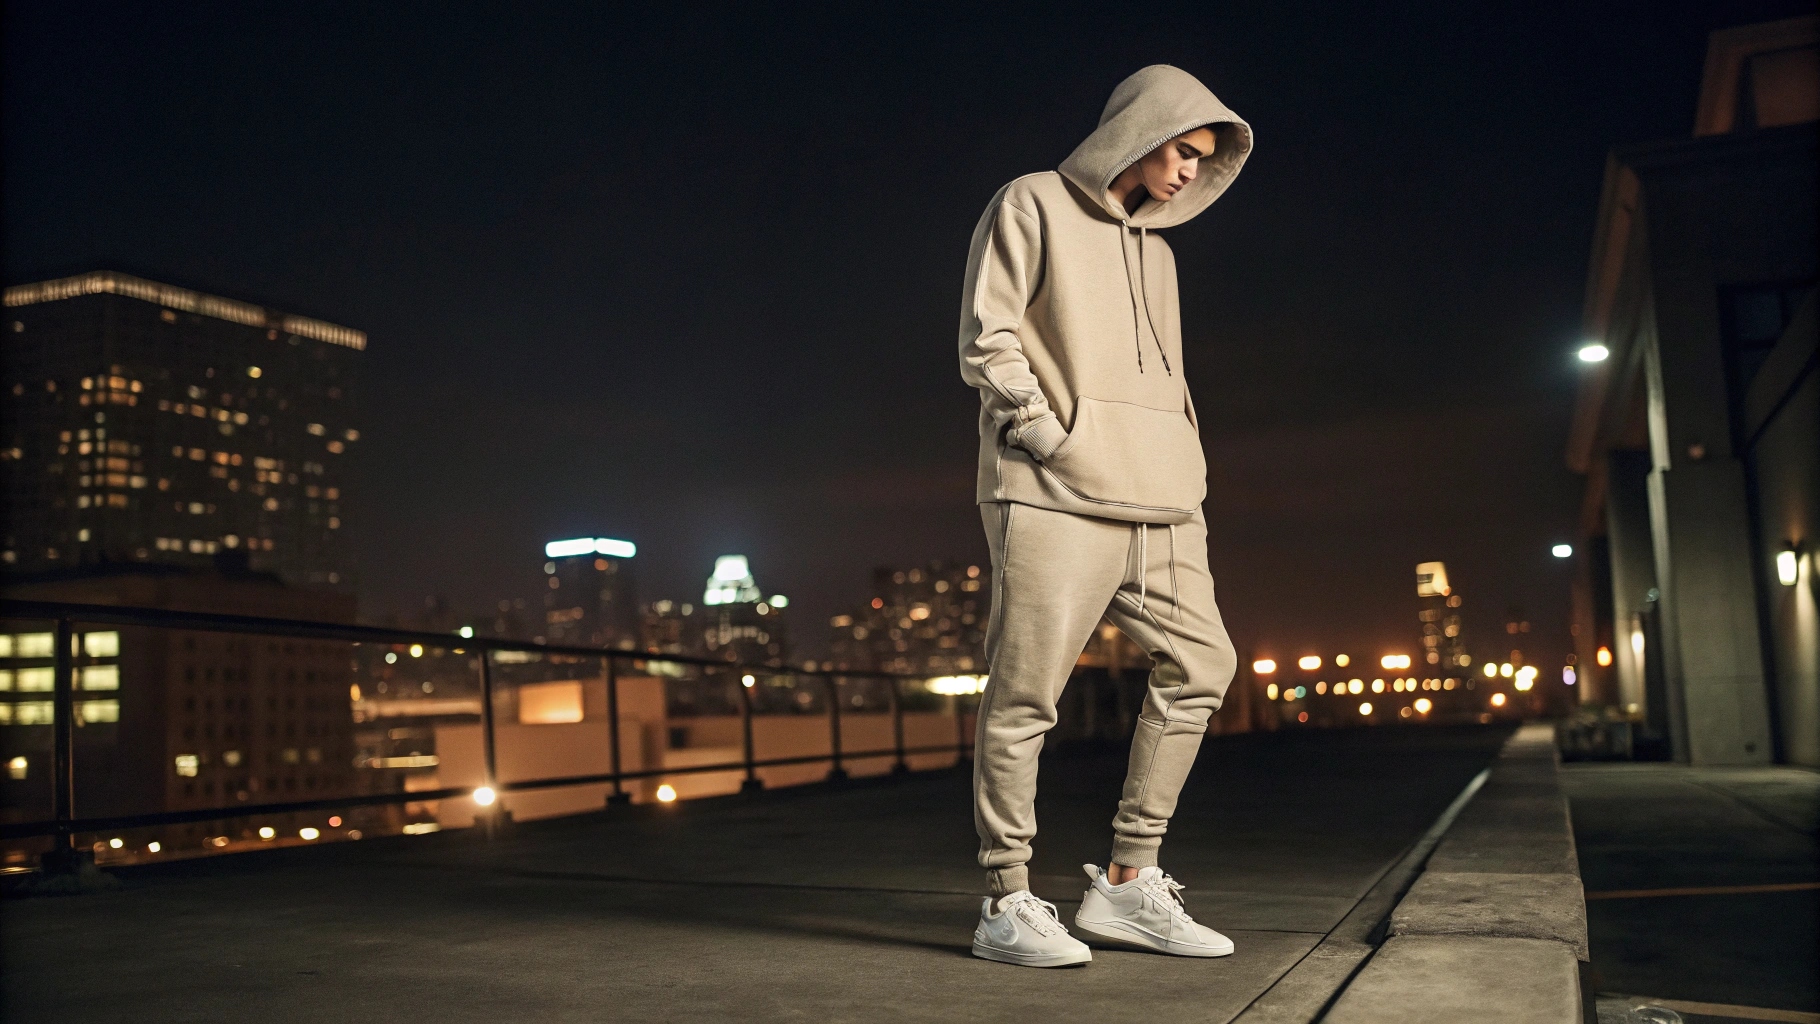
pixel 1443 647
pixel 591 598
pixel 736 622
pixel 150 424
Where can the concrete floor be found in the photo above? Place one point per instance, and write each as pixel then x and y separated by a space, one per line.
pixel 1660 826
pixel 852 904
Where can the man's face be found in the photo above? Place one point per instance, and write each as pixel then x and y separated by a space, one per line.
pixel 1171 166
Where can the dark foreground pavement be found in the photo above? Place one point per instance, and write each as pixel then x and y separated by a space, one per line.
pixel 823 904
pixel 1671 855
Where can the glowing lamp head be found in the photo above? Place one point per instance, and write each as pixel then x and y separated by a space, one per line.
pixel 1423 705
pixel 1264 666
pixel 1562 550
pixel 1593 352
pixel 485 796
pixel 1497 700
pixel 748 681
pixel 1365 708
pixel 1309 662
pixel 1788 567
pixel 666 793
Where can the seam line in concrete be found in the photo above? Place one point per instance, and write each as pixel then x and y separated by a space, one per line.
pixel 1306 991
pixel 1751 806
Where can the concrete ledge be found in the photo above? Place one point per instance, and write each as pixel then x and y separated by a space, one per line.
pixel 1421 979
pixel 1495 927
pixel 1531 906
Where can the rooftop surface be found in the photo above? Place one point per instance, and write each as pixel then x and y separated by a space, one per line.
pixel 851 903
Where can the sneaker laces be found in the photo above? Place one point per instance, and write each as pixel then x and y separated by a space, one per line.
pixel 1168 892
pixel 1037 913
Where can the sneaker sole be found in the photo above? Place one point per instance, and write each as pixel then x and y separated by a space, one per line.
pixel 1005 956
pixel 1122 934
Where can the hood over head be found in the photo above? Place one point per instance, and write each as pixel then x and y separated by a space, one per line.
pixel 1148 109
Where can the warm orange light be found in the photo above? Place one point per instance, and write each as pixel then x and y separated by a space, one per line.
pixel 1394 661
pixel 666 793
pixel 1303 717
pixel 1342 660
pixel 1604 656
pixel 1497 700
pixel 1309 662
pixel 1424 705
pixel 1264 666
pixel 1365 708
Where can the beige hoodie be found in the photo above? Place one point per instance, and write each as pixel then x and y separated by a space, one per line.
pixel 1070 325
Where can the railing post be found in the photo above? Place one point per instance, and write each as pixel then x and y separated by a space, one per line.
pixel 489 753
pixel 901 766
pixel 753 783
pixel 619 795
pixel 63 856
pixel 836 772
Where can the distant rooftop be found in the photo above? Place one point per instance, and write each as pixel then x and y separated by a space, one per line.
pixel 108 282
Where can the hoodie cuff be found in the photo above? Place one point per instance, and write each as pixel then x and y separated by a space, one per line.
pixel 1041 437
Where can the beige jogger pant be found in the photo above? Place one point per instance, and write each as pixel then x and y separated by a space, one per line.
pixel 1055 574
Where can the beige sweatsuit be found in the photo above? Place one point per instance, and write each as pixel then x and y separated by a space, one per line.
pixel 1091 473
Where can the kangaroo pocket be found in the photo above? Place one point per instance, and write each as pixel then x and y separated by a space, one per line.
pixel 1129 455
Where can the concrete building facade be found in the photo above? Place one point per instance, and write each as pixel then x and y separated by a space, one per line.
pixel 1694 600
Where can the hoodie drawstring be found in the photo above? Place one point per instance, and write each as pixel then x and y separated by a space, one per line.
pixel 1137 333
pixel 1144 290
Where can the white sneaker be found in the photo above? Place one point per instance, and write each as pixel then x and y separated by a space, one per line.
pixel 1145 913
pixel 1025 931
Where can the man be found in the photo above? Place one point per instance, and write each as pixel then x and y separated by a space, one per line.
pixel 1091 478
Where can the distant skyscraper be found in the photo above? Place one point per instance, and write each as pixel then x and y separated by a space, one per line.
pixel 1444 649
pixel 925 620
pixel 738 624
pixel 592 595
pixel 151 424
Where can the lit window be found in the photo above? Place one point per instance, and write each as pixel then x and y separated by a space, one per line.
pixel 35 645
pixel 17 768
pixel 101 645
pixel 37 680
pixel 98 710
pixel 187 765
pixel 101 677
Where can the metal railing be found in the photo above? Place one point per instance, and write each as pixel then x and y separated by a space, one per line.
pixel 64 824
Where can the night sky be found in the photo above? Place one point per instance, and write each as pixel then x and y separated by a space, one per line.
pixel 692 278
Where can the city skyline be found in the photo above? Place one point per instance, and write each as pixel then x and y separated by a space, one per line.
pixel 1358 419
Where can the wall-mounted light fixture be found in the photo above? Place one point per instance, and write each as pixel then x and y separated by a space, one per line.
pixel 1788 564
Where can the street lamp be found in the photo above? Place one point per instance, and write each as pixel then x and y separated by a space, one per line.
pixel 1593 352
